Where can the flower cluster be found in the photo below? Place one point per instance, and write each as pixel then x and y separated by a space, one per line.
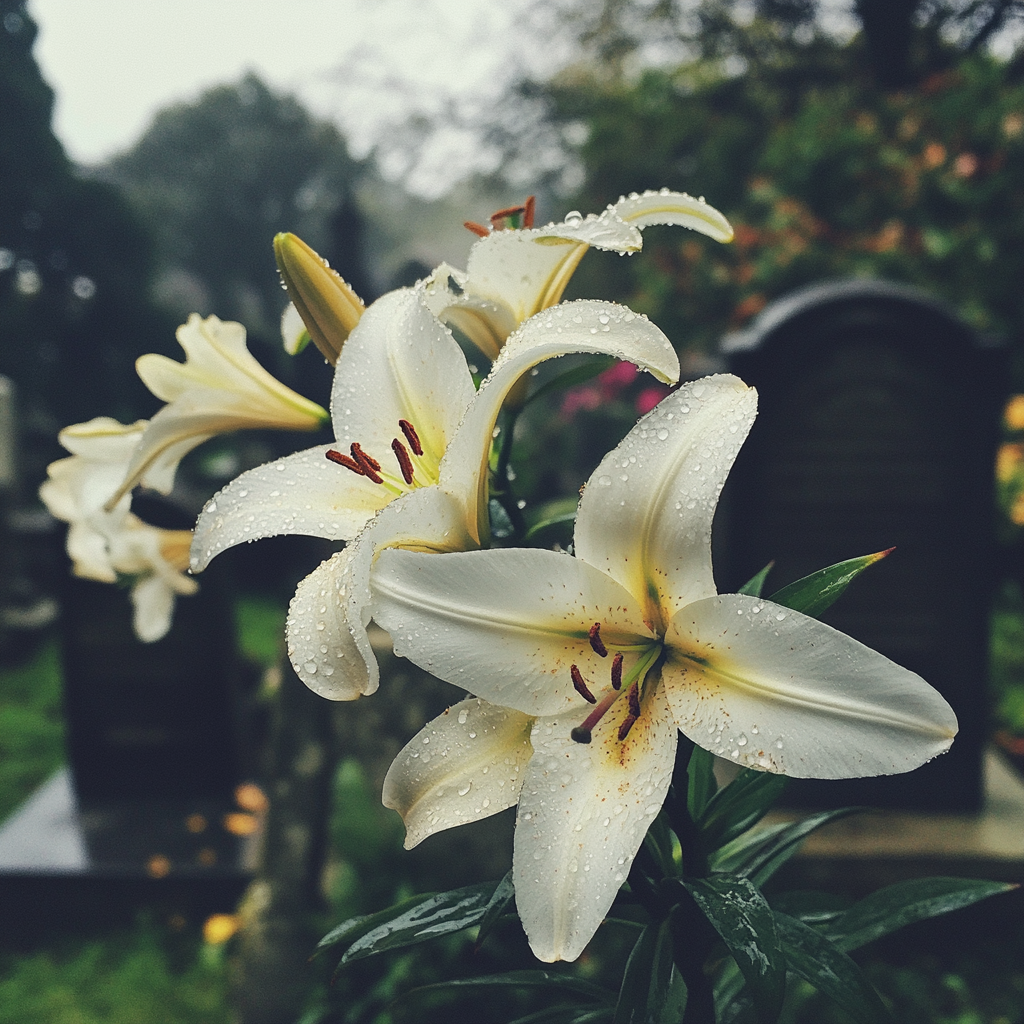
pixel 581 670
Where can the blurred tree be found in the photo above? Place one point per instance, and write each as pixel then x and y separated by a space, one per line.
pixel 74 263
pixel 217 178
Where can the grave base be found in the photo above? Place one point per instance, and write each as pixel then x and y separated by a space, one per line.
pixel 67 865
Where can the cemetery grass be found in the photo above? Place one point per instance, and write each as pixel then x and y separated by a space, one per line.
pixel 161 970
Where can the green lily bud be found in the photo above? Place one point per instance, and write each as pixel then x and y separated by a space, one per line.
pixel 328 306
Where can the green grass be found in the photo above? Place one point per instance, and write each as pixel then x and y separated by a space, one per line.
pixel 129 977
pixel 31 726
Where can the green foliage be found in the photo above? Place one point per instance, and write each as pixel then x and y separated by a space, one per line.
pixel 822 177
pixel 130 978
pixel 31 726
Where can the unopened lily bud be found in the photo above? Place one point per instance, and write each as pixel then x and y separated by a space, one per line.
pixel 328 306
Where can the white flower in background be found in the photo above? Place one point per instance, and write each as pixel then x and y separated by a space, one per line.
pixel 105 541
pixel 219 388
pixel 517 270
pixel 590 665
pixel 409 466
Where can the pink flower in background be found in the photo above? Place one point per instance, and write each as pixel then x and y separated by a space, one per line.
pixel 649 398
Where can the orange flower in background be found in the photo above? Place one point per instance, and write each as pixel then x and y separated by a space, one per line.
pixel 1013 414
pixel 934 155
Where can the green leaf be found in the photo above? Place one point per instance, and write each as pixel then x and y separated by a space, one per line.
pixel 565 984
pixel 753 586
pixel 566 1014
pixel 739 913
pixel 647 982
pixel 355 927
pixel 810 905
pixel 814 593
pixel 904 903
pixel 758 855
pixel 812 957
pixel 701 784
pixel 555 520
pixel 501 522
pixel 503 895
pixel 570 378
pixel 740 805
pixel 437 914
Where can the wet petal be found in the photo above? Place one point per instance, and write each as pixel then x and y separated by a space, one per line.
pixel 330 651
pixel 302 493
pixel 645 515
pixel 153 603
pixel 573 327
pixel 583 811
pixel 400 362
pixel 465 765
pixel 505 624
pixel 327 640
pixel 676 208
pixel 777 690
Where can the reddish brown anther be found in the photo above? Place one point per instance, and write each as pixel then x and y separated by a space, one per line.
pixel 626 726
pixel 402 454
pixel 343 460
pixel 595 640
pixel 477 229
pixel 367 463
pixel 411 436
pixel 617 672
pixel 528 208
pixel 581 686
pixel 634 700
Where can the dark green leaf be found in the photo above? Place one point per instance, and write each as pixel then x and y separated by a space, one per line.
pixel 810 905
pixel 570 378
pixel 904 903
pixel 813 594
pixel 503 895
pixel 354 927
pixel 648 979
pixel 758 855
pixel 661 844
pixel 566 1014
pixel 812 957
pixel 548 980
pixel 556 520
pixel 755 584
pixel 438 914
pixel 740 805
pixel 742 917
pixel 501 523
pixel 701 782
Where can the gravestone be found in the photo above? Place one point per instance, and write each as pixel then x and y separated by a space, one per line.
pixel 878 423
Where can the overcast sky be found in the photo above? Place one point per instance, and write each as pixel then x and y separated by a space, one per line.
pixel 362 63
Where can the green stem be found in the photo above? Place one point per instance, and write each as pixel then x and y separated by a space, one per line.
pixel 503 489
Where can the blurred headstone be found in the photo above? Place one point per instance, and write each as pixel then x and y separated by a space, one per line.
pixel 877 427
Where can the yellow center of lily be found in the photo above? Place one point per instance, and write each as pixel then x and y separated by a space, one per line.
pixel 416 467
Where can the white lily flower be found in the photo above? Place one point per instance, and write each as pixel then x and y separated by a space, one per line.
pixel 613 651
pixel 105 541
pixel 514 273
pixel 219 388
pixel 79 489
pixel 410 426
pixel 156 561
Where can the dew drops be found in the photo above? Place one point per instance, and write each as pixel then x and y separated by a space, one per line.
pixel 741 740
pixel 463 716
pixel 465 788
pixel 604 481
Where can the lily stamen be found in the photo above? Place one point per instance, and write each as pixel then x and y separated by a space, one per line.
pixel 411 436
pixel 477 229
pixel 582 733
pixel 367 463
pixel 343 460
pixel 580 684
pixel 626 726
pixel 595 640
pixel 402 454
pixel 617 672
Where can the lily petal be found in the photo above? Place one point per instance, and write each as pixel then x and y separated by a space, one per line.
pixel 220 387
pixel 465 765
pixel 302 493
pixel 400 362
pixel 505 624
pixel 583 812
pixel 645 516
pixel 770 688
pixel 327 641
pixel 676 208
pixel 573 327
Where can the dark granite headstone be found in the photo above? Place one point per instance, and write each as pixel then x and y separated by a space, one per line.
pixel 878 424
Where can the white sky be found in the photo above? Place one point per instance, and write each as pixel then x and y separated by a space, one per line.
pixel 361 63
